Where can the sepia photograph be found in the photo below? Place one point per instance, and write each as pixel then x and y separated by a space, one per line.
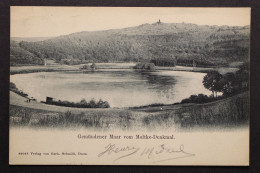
pixel 129 86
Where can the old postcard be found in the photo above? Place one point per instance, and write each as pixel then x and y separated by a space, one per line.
pixel 129 86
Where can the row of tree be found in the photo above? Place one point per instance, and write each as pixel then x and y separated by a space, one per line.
pixel 165 62
pixel 82 104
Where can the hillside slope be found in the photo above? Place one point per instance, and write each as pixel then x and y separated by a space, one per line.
pixel 207 45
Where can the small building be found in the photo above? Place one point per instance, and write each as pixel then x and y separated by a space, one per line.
pixel 49 99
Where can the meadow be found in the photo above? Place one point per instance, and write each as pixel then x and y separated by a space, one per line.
pixel 224 114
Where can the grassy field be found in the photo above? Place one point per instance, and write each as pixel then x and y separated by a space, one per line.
pixel 34 69
pixel 226 113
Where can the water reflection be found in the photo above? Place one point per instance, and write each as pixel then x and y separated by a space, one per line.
pixel 121 88
pixel 162 84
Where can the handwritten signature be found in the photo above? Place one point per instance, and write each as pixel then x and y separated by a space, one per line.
pixel 168 153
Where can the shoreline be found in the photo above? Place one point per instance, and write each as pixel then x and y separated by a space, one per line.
pixel 18 100
pixel 63 68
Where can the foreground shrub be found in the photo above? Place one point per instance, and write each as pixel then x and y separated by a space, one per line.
pixel 200 98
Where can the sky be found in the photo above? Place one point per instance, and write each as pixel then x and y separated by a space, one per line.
pixel 55 21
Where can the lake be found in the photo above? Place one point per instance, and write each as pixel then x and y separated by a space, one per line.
pixel 120 87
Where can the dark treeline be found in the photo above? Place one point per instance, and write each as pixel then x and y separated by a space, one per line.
pixel 82 104
pixel 187 61
pixel 145 66
pixel 196 63
pixel 206 45
pixel 165 62
pixel 12 72
pixel 201 98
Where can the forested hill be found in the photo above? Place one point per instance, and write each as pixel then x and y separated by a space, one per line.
pixel 207 45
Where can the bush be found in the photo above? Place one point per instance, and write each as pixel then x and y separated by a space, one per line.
pixel 145 66
pixel 200 98
pixel 85 67
pixel 82 104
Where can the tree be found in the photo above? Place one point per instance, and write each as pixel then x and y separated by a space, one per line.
pixel 83 102
pixel 93 66
pixel 242 76
pixel 212 82
pixel 227 84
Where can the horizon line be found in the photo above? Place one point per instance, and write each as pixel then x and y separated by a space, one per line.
pixel 125 28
